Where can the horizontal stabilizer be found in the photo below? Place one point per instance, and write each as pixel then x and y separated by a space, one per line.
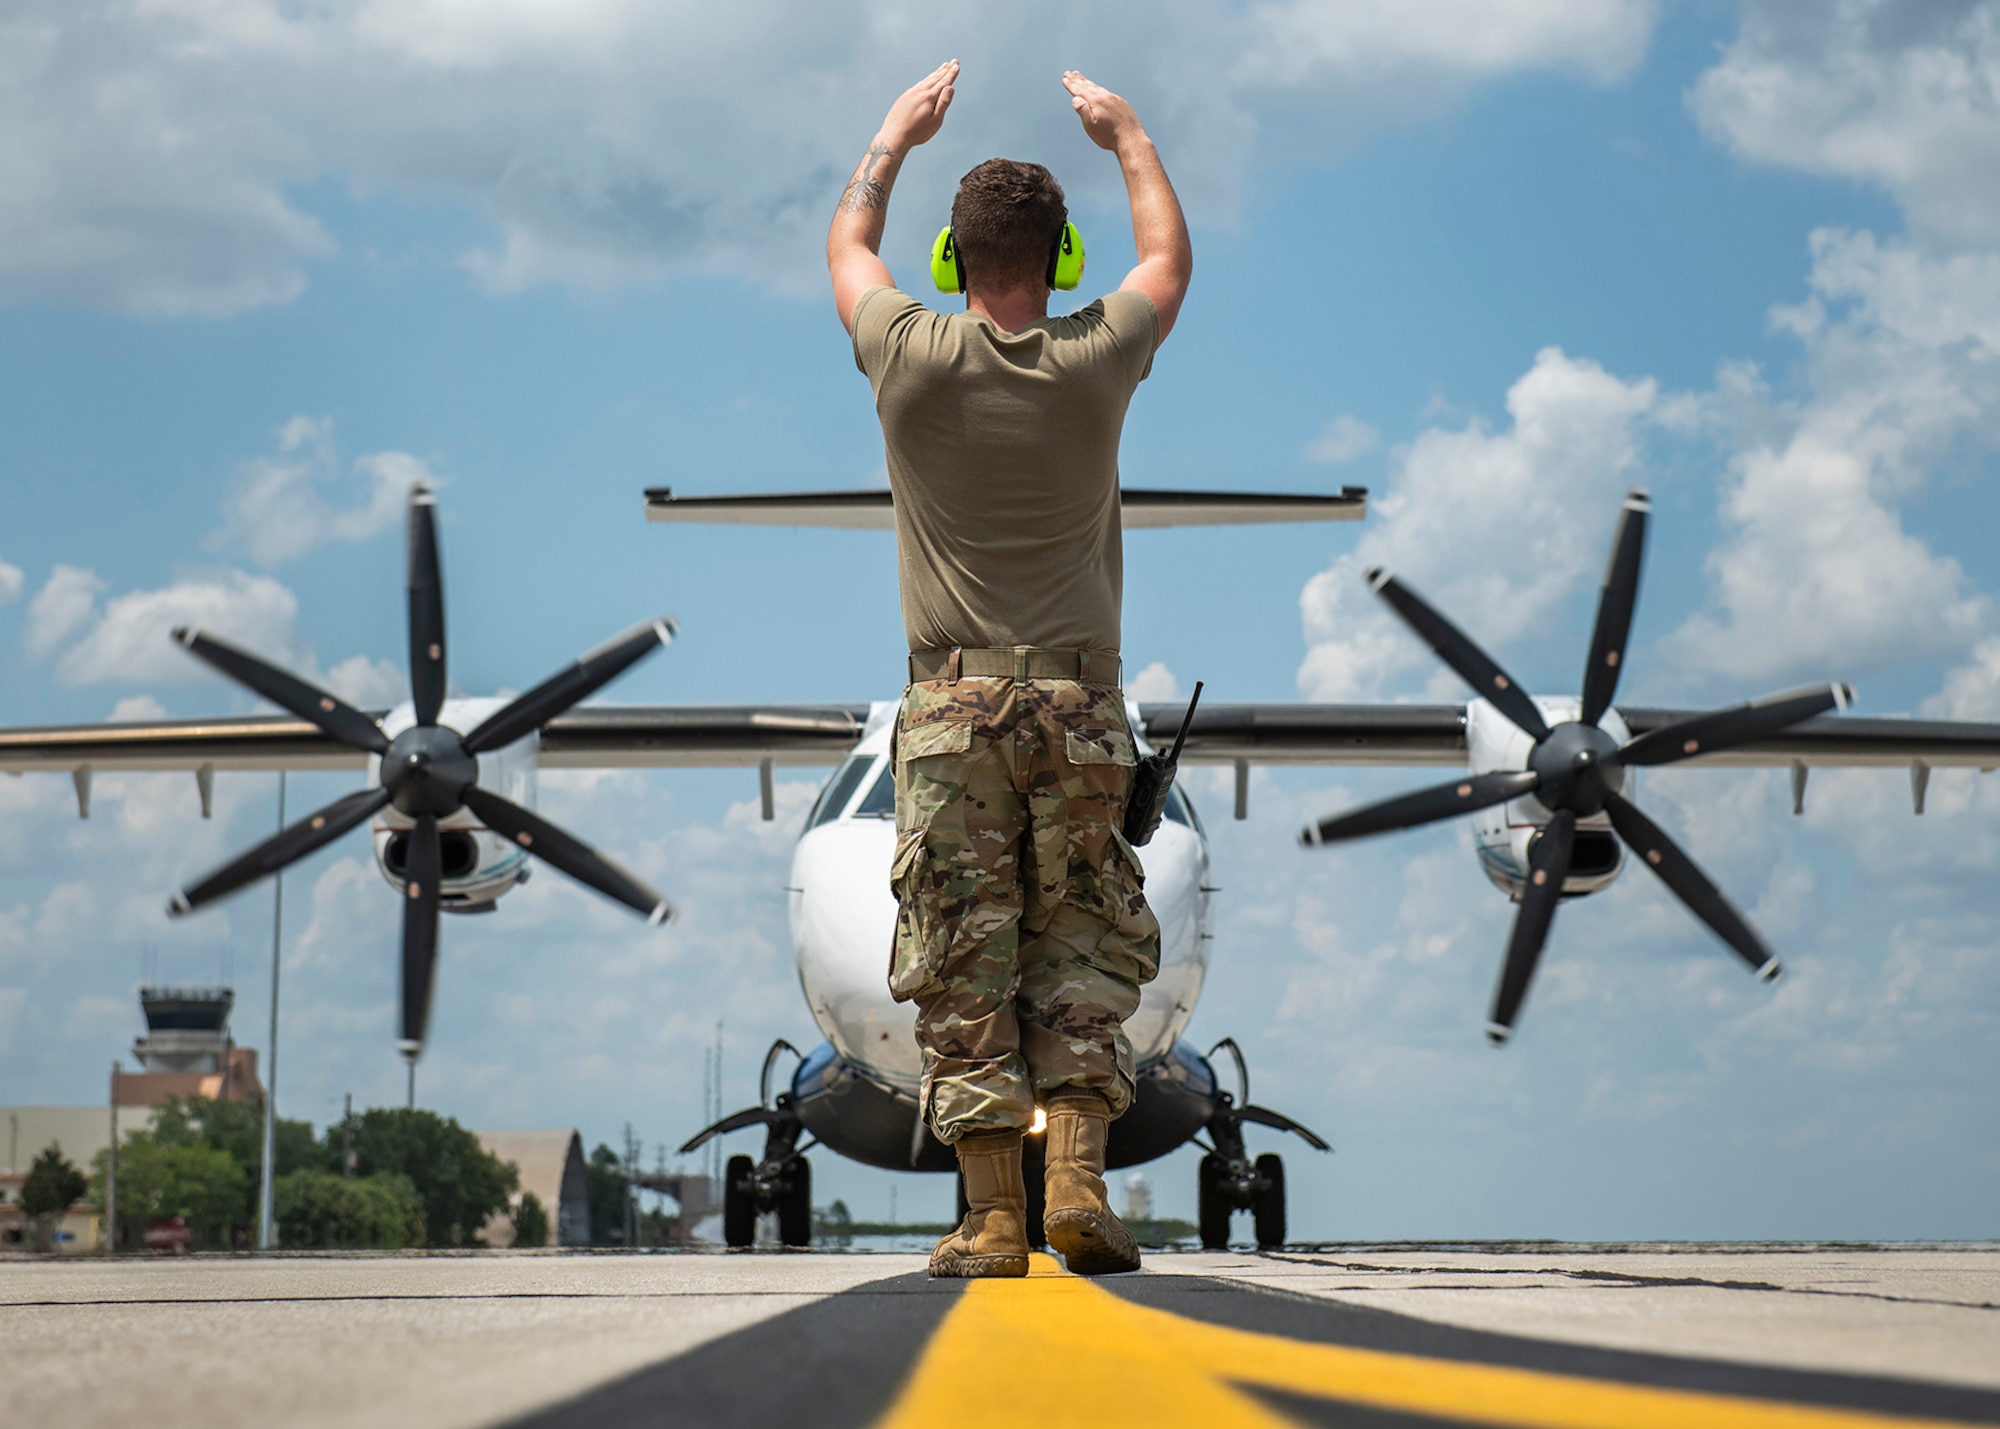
pixel 874 509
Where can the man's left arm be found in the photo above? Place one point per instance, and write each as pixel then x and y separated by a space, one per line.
pixel 854 242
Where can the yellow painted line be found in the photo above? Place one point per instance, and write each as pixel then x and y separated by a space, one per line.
pixel 1082 1355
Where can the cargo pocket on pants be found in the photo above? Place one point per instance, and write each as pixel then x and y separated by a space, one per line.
pixel 921 940
pixel 1117 894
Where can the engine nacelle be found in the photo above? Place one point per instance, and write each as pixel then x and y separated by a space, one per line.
pixel 479 865
pixel 1505 833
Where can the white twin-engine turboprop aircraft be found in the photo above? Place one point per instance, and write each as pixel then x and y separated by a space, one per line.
pixel 449 794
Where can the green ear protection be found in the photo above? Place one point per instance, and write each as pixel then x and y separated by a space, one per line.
pixel 1065 261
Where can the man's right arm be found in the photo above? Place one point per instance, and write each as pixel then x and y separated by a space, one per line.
pixel 854 241
pixel 1159 230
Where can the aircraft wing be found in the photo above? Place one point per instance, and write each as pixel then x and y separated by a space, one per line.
pixel 1435 734
pixel 588 737
pixel 723 736
pixel 687 736
pixel 1311 734
pixel 1843 741
pixel 875 509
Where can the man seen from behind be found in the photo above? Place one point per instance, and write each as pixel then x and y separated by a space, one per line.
pixel 1022 931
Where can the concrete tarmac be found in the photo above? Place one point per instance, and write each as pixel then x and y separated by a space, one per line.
pixel 1543 1335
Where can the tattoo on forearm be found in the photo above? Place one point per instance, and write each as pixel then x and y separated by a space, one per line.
pixel 865 191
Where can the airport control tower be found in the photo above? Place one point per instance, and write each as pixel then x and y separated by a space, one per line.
pixel 187 1050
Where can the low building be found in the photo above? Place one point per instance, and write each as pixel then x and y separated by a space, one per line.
pixel 187 1052
pixel 551 1165
pixel 80 1133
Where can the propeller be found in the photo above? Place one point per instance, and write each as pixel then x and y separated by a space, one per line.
pixel 429 771
pixel 1577 771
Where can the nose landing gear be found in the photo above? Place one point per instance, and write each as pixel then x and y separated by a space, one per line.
pixel 1230 1181
pixel 778 1183
pixel 780 1180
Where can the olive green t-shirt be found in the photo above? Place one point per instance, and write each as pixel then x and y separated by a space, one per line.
pixel 1003 458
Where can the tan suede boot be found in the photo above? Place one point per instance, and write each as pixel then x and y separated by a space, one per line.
pixel 1078 1220
pixel 993 1238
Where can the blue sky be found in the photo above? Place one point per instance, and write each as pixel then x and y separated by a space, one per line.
pixel 262 265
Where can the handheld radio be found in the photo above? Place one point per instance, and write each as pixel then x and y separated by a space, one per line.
pixel 1148 804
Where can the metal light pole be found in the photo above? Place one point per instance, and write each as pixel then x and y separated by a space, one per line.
pixel 111 1172
pixel 267 1228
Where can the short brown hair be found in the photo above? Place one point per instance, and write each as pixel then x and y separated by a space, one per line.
pixel 1006 220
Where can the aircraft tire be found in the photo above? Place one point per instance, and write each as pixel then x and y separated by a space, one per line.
pixel 739 1207
pixel 1269 1208
pixel 1212 1205
pixel 795 1216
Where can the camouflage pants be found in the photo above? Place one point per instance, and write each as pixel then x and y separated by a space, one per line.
pixel 1022 931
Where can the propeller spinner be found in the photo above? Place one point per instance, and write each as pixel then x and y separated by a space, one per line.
pixel 429 771
pixel 1577 771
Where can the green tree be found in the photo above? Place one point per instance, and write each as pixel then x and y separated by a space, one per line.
pixel 52 1187
pixel 319 1209
pixel 608 1192
pixel 202 1184
pixel 198 1152
pixel 459 1182
pixel 531 1222
pixel 238 1128
pixel 208 1188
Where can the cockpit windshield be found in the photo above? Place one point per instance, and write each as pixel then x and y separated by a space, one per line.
pixel 880 800
pixel 839 789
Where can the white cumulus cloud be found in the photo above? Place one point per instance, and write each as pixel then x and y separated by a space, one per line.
pixel 1900 93
pixel 1366 39
pixel 12 582
pixel 132 639
pixel 158 152
pixel 1817 575
pixel 1155 682
pixel 1492 527
pixel 65 603
pixel 1343 439
pixel 137 707
pixel 277 511
pixel 1971 690
pixel 366 683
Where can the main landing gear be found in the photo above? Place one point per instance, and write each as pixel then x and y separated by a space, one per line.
pixel 1230 1180
pixel 780 1180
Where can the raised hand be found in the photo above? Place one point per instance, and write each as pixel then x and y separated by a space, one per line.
pixel 1107 119
pixel 918 112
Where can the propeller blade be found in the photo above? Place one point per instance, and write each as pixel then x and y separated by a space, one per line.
pixel 1456 649
pixel 1691 885
pixel 335 717
pixel 1426 806
pixel 1614 608
pixel 422 870
pixel 1725 729
pixel 285 847
pixel 426 607
pixel 574 857
pixel 1548 866
pixel 578 681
